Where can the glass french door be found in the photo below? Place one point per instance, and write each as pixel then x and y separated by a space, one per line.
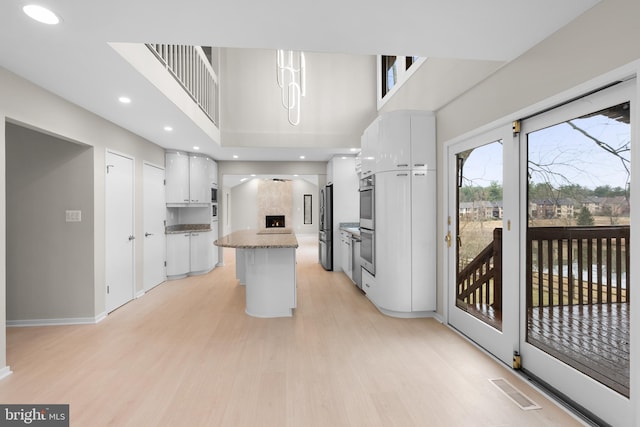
pixel 575 276
pixel 483 291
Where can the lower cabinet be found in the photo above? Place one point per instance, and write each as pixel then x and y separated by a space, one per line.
pixel 188 253
pixel 200 252
pixel 178 260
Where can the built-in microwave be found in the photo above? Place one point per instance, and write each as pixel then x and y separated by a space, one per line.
pixel 214 211
pixel 367 202
pixel 368 250
pixel 214 194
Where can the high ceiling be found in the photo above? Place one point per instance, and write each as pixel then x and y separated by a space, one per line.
pixel 74 60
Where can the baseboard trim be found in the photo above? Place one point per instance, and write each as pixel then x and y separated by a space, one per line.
pixel 5 372
pixel 57 322
pixel 140 294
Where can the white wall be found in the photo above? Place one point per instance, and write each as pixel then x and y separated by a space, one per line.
pixel 340 100
pixel 29 105
pixel 346 200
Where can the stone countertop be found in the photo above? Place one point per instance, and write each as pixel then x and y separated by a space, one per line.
pixel 186 228
pixel 353 228
pixel 258 239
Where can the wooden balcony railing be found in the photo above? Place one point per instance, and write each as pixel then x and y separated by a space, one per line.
pixel 577 266
pixel 480 282
pixel 190 67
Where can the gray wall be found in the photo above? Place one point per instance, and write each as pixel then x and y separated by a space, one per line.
pixel 49 261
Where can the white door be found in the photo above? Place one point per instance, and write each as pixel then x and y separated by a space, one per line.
pixel 119 231
pixel 482 238
pixel 575 287
pixel 154 219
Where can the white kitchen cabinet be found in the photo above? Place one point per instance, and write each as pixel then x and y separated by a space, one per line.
pixel 214 249
pixel 346 253
pixel 200 251
pixel 423 140
pixel 177 177
pixel 393 241
pixel 423 238
pixel 369 147
pixel 407 141
pixel 199 185
pixel 178 255
pixel 394 150
pixel 213 172
pixel 369 285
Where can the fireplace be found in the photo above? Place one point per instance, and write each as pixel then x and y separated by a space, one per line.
pixel 275 221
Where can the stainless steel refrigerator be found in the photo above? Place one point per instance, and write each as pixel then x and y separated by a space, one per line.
pixel 326 227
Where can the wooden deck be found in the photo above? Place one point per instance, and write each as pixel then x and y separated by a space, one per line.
pixel 594 339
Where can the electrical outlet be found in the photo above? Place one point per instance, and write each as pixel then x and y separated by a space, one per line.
pixel 73 216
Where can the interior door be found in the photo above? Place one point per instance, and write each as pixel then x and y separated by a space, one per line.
pixel 119 230
pixel 483 240
pixel 576 193
pixel 153 221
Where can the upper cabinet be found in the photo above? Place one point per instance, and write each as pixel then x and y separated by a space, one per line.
pixel 369 148
pixel 399 140
pixel 188 178
pixel 177 176
pixel 199 185
pixel 213 173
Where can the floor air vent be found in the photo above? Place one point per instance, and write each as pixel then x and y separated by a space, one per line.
pixel 514 394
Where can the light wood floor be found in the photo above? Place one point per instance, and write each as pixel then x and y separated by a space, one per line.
pixel 186 354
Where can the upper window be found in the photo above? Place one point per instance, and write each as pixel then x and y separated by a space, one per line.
pixel 393 72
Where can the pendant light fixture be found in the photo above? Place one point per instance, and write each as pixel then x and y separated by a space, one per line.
pixel 291 78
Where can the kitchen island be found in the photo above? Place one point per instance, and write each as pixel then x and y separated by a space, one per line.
pixel 266 265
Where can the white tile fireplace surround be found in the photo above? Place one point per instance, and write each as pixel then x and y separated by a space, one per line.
pixel 275 199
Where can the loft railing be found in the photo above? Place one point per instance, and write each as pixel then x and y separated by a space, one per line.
pixel 480 282
pixel 190 67
pixel 577 266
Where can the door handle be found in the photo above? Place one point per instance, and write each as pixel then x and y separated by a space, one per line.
pixel 148 234
pixel 131 238
pixel 447 239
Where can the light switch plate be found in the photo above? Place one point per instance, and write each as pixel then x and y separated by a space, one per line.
pixel 73 216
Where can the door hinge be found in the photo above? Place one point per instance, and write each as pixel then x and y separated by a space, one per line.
pixel 107 288
pixel 517 360
pixel 164 182
pixel 165 263
pixel 515 126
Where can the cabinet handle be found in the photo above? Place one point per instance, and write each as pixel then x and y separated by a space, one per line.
pixel 132 238
pixel 402 174
pixel 148 234
pixel 185 200
pixel 187 235
pixel 367 285
pixel 419 165
pixel 420 174
pixel 403 165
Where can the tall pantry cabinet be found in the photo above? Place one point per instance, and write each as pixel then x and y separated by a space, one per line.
pixel 405 214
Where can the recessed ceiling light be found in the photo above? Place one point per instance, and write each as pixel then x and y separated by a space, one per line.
pixel 244 179
pixel 353 150
pixel 301 157
pixel 41 14
pixel 124 100
pixel 195 147
pixel 235 156
pixel 253 174
pixel 168 128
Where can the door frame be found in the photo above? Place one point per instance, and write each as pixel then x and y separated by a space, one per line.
pixel 503 343
pixel 133 231
pixel 622 73
pixel 162 168
pixel 580 388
